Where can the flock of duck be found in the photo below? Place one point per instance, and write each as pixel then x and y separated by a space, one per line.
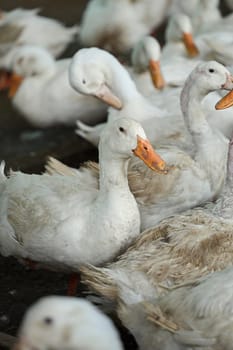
pixel 150 228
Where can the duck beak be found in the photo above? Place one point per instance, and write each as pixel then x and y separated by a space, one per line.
pixel 106 95
pixel 226 101
pixel 190 45
pixel 156 74
pixel 15 82
pixel 145 151
pixel 5 79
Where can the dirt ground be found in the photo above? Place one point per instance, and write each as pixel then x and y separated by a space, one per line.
pixel 26 148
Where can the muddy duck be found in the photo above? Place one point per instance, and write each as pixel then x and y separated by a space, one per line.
pixel 39 89
pixel 70 223
pixel 58 322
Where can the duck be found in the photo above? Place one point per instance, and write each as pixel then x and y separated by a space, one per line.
pixel 39 89
pixel 208 43
pixel 70 223
pixel 195 177
pixel 176 252
pixel 117 26
pixel 152 73
pixel 26 27
pixel 197 11
pixel 122 95
pixel 57 322
pixel 194 315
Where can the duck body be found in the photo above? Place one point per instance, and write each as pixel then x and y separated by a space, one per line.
pixel 194 315
pixel 45 97
pixel 117 26
pixel 29 28
pixel 71 223
pixel 52 229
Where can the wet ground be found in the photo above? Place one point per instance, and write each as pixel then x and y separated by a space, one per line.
pixel 26 148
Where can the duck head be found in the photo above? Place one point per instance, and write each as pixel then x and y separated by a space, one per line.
pixel 180 28
pixel 57 322
pixel 146 55
pixel 29 61
pixel 88 74
pixel 125 137
pixel 211 76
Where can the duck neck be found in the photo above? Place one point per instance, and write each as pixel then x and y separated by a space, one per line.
pixel 211 146
pixel 113 173
pixel 194 117
pixel 121 83
pixel 225 208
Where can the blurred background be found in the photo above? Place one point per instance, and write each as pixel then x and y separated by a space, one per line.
pixel 22 146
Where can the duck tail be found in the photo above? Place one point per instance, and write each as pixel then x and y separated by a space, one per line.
pixel 89 133
pixel 116 283
pixel 54 166
pixel 2 175
pixel 73 31
pixel 99 280
pixel 2 171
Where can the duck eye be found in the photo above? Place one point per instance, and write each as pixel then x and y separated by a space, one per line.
pixel 84 81
pixel 121 129
pixel 211 70
pixel 48 320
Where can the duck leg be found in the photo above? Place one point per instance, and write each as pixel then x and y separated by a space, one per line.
pixel 73 284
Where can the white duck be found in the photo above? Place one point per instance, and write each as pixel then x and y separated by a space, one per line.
pixel 146 57
pixel 41 92
pixel 198 11
pixel 150 70
pixel 26 27
pixel 57 322
pixel 211 43
pixel 197 315
pixel 178 250
pixel 70 222
pixel 198 176
pixel 118 25
pixel 97 72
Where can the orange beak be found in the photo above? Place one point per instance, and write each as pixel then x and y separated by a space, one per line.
pixel 145 152
pixel 5 79
pixel 156 74
pixel 107 96
pixel 190 45
pixel 15 82
pixel 226 101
